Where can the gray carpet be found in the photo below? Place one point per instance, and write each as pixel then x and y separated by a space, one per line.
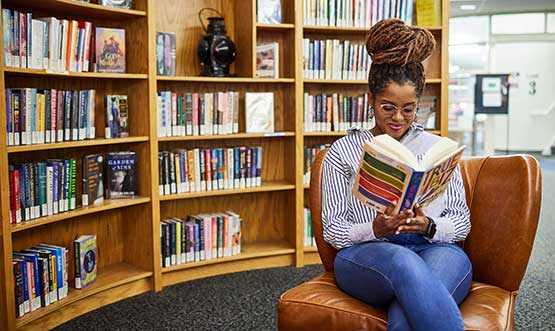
pixel 247 300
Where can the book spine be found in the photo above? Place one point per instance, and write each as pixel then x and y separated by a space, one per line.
pixel 410 196
pixel 77 253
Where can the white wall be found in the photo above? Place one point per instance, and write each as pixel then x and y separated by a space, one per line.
pixel 531 123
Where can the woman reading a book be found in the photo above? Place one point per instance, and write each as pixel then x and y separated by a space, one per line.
pixel 406 261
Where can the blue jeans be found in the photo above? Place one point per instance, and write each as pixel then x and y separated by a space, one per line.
pixel 422 283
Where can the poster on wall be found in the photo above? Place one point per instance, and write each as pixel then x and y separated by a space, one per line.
pixel 491 94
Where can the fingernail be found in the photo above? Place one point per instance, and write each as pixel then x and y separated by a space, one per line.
pixel 397 232
pixel 408 221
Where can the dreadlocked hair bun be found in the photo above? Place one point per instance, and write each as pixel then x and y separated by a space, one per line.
pixel 391 41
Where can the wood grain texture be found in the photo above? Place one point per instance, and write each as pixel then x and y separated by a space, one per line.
pixel 248 251
pixel 266 216
pixel 311 257
pixel 7 301
pixel 287 57
pixel 88 303
pixel 226 267
pixel 76 144
pixel 78 9
pixel 153 147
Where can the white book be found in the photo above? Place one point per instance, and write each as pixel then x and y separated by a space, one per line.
pixel 230 167
pixel 196 152
pixel 259 112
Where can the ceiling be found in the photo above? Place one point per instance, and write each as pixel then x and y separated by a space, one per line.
pixel 486 7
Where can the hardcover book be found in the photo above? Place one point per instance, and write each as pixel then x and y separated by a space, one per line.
pixel 93 186
pixel 267 60
pixel 390 172
pixel 117 125
pixel 85 260
pixel 126 4
pixel 259 112
pixel 121 172
pixel 110 50
pixel 165 53
pixel 268 11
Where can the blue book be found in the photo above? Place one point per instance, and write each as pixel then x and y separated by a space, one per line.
pixel 26 301
pixel 61 288
pixel 33 258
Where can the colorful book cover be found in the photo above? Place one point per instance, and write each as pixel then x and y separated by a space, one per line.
pixel 85 260
pixel 110 50
pixel 121 172
pixel 93 186
pixel 117 116
pixel 389 172
pixel 267 60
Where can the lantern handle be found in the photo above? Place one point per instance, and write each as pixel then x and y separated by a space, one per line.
pixel 200 18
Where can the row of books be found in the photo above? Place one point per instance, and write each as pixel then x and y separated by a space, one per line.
pixel 308 235
pixel 40 189
pixel 309 156
pixel 200 237
pixel 335 59
pixel 193 114
pixel 210 169
pixel 357 13
pixel 60 45
pixel 37 116
pixel 46 188
pixel 40 277
pixel 336 112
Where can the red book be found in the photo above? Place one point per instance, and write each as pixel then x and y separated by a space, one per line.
pixel 87 27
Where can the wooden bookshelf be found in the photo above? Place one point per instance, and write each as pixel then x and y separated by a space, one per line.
pixel 128 230
pixel 109 277
pixel 108 204
pixel 75 144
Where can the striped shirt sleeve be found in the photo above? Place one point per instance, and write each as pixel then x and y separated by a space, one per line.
pixel 339 227
pixel 453 224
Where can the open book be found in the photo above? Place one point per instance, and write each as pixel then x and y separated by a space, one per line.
pixel 390 172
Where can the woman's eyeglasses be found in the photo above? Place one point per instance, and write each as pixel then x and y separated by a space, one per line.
pixel 390 110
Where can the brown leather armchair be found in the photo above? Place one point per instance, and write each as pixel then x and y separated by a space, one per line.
pixel 504 196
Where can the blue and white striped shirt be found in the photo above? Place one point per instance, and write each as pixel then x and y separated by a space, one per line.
pixel 347 221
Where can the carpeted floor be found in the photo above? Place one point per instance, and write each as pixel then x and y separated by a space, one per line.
pixel 247 300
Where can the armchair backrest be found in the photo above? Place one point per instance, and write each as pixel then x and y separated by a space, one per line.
pixel 504 197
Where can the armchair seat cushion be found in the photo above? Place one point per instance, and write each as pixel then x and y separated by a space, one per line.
pixel 319 305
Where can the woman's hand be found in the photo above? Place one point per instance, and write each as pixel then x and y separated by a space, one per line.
pixel 387 224
pixel 418 224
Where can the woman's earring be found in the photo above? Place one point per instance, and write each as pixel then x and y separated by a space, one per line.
pixel 371 112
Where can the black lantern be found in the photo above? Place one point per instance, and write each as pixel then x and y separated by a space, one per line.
pixel 216 51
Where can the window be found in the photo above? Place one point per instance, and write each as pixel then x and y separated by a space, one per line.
pixel 551 23
pixel 518 23
pixel 468 30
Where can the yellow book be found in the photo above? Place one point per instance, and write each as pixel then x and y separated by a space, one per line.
pixel 40 111
pixel 428 12
pixel 178 242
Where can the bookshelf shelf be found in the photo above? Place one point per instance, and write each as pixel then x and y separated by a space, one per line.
pixel 76 8
pixel 107 278
pixel 228 136
pixel 306 186
pixel 275 27
pixel 108 204
pixel 325 134
pixel 334 29
pixel 76 144
pixel 252 251
pixel 356 82
pixel 310 249
pixel 42 72
pixel 266 187
pixel 248 80
pixel 335 81
pixel 438 132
